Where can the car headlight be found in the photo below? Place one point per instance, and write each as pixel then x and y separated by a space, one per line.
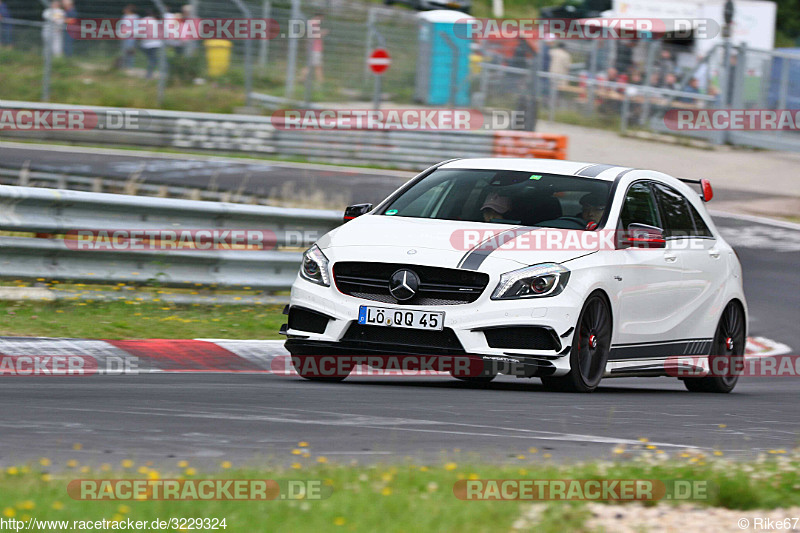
pixel 315 267
pixel 546 279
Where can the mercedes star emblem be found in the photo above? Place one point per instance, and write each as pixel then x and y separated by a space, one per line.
pixel 403 284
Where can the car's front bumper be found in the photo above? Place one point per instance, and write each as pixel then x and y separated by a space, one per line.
pixel 467 323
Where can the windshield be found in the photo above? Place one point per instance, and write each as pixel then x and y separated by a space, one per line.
pixel 505 197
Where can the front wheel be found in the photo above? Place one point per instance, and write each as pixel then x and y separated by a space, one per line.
pixel 315 368
pixel 591 345
pixel 727 354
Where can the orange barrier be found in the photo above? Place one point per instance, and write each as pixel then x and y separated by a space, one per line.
pixel 529 144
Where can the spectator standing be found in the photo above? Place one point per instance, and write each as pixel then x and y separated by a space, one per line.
pixel 5 25
pixel 70 19
pixel 316 47
pixel 152 45
pixel 129 44
pixel 560 61
pixel 53 29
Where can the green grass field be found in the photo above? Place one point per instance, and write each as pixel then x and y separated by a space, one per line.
pixel 131 319
pixel 399 497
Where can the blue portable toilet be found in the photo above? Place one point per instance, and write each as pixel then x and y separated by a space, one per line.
pixel 435 61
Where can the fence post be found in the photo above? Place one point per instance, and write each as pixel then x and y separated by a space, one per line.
pixel 652 49
pixel 451 99
pixel 291 59
pixel 309 81
pixel 263 52
pixel 592 76
pixel 48 65
pixel 368 47
pixel 163 69
pixel 248 54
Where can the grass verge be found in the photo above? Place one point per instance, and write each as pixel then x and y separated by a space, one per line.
pixel 390 497
pixel 131 319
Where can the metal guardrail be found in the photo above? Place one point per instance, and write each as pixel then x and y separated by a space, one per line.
pixel 259 135
pixel 57 212
pixel 24 177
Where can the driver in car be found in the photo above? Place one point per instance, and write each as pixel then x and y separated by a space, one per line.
pixel 495 207
pixel 593 206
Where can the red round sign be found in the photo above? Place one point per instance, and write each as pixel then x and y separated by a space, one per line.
pixel 379 60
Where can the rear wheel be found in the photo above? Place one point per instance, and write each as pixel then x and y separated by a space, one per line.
pixel 591 345
pixel 727 354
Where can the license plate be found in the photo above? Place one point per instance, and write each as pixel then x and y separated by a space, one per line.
pixel 400 318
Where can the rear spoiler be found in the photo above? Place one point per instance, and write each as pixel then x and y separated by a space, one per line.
pixel 705 186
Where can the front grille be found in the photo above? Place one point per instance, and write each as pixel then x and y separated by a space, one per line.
pixel 307 320
pixel 401 340
pixel 438 286
pixel 522 338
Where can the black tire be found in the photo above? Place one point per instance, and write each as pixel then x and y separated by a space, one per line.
pixel 728 346
pixel 478 380
pixel 591 345
pixel 315 376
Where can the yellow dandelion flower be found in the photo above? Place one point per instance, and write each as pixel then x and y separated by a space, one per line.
pixel 226 464
pixel 12 470
pixel 718 453
pixel 46 478
pixel 117 518
pixel 190 471
pixel 9 512
pixel 473 476
pixel 423 469
pixel 77 446
pixel 153 474
pixel 322 459
pixel 386 491
pixel 183 464
pixel 84 470
pixel 143 470
pixel 450 466
pixel 533 450
pixel 57 506
pixel 297 466
pixel 297 451
pixel 44 461
pixel 339 521
pixel 124 509
pixel 127 463
pixel 302 444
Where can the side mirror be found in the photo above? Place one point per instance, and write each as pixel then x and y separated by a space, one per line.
pixel 357 210
pixel 643 236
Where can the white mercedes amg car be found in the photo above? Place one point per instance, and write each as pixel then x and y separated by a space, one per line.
pixel 570 272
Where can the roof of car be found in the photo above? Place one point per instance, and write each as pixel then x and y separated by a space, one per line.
pixel 551 166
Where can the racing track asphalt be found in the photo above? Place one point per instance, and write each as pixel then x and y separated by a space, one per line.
pixel 249 417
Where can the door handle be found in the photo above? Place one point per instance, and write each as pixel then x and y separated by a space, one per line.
pixel 670 257
pixel 714 253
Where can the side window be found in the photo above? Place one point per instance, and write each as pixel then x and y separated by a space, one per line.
pixel 701 228
pixel 639 207
pixel 675 211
